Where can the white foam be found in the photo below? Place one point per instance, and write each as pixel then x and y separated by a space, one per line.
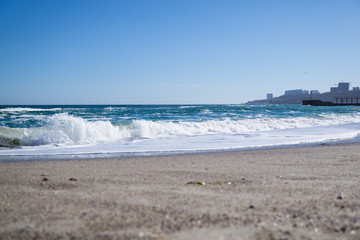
pixel 184 107
pixel 20 109
pixel 152 129
pixel 72 132
pixel 200 142
pixel 64 128
pixel 115 108
pixel 206 111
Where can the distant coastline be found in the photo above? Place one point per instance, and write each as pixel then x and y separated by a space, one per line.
pixel 283 99
pixel 340 94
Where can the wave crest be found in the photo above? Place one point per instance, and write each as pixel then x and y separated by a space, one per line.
pixel 21 109
pixel 66 129
pixel 63 129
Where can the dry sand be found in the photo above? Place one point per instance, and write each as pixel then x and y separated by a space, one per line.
pixel 294 193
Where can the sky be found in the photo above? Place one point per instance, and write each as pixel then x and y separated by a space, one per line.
pixel 174 51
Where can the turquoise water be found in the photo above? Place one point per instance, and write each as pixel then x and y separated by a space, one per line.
pixel 127 129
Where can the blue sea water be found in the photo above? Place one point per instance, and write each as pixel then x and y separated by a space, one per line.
pixel 65 131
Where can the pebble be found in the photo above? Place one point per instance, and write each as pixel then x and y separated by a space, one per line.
pixel 340 197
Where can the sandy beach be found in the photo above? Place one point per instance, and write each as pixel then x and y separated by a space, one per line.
pixel 291 193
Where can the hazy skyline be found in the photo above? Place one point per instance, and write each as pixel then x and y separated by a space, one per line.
pixel 174 52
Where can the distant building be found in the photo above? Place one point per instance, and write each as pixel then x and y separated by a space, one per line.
pixel 296 92
pixel 342 87
pixel 342 94
pixel 334 90
pixel 315 92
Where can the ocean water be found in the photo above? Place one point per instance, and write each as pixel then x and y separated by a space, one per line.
pixel 85 131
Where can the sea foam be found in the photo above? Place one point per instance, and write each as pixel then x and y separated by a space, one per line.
pixel 73 130
pixel 21 109
pixel 63 128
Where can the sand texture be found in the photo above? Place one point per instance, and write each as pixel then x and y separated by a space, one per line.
pixel 295 193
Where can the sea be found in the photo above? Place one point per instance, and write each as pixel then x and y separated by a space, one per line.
pixel 108 131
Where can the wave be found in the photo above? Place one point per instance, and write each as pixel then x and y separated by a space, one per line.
pixel 152 129
pixel 115 108
pixel 10 137
pixel 184 107
pixel 62 128
pixel 20 109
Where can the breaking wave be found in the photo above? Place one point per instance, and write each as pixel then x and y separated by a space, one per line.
pixel 66 129
pixel 21 109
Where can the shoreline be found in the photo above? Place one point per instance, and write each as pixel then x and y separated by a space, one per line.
pixel 294 193
pixel 102 156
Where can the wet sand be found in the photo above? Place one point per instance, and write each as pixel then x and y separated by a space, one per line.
pixel 293 193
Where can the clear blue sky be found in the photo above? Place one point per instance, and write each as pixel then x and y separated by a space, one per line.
pixel 174 51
